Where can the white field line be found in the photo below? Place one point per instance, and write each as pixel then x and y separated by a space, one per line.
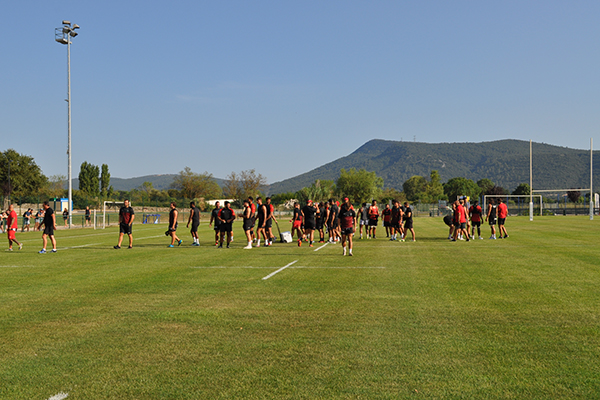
pixel 59 396
pixel 16 266
pixel 291 267
pixel 319 248
pixel 78 247
pixel 279 270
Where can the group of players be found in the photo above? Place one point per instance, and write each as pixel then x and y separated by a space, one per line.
pixel 466 218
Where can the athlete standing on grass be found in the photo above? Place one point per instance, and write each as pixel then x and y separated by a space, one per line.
pixel 386 216
pixel 126 216
pixel 49 227
pixel 297 223
pixel 11 228
pixel 173 225
pixel 309 217
pixel 226 216
pixel 247 215
pixel 408 221
pixel 502 214
pixel 269 222
pixel 261 216
pixel 195 220
pixel 214 218
pixel 333 223
pixel 373 218
pixel 491 217
pixel 347 221
pixel 475 212
pixel 253 213
pixel 363 215
pixel 321 217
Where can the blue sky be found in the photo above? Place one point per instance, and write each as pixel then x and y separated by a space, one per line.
pixel 284 87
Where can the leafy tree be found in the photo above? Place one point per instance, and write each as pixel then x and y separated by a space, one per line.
pixel 89 182
pixel 415 188
pixel 574 195
pixel 522 190
pixel 105 181
pixel 497 190
pixel 486 185
pixel 281 198
pixel 56 186
pixel 251 183
pixel 318 191
pixel 232 187
pixel 392 194
pixel 360 186
pixel 434 190
pixel 26 177
pixel 461 186
pixel 192 185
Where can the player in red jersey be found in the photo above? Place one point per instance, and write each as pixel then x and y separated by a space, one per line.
pixel 502 214
pixel 373 218
pixel 475 213
pixel 11 228
pixel 347 221
pixel 297 223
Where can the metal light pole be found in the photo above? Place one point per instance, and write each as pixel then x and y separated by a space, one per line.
pixel 63 35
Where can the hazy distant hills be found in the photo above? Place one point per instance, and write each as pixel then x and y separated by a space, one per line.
pixel 505 162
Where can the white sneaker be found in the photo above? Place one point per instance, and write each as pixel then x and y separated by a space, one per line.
pixel 480 238
pixel 344 251
pixel 249 246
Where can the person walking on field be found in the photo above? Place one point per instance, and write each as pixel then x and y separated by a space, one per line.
pixel 195 220
pixel 49 227
pixel 126 216
pixel 347 221
pixel 214 217
pixel 12 227
pixel 309 213
pixel 66 216
pixel 502 214
pixel 491 217
pixel 363 215
pixel 173 225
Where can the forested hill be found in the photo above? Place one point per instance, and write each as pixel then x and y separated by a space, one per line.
pixel 505 162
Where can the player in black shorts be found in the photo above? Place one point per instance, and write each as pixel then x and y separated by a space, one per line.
pixel 214 218
pixel 408 221
pixel 491 217
pixel 309 212
pixel 195 220
pixel 49 227
pixel 226 216
pixel 347 221
pixel 126 217
pixel 320 221
pixel 248 218
pixel 332 222
pixel 173 226
pixel 269 222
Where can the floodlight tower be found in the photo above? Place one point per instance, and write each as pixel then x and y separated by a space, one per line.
pixel 64 35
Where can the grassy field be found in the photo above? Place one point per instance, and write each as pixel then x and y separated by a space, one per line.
pixel 516 318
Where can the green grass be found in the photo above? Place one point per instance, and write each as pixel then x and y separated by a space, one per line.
pixel 516 318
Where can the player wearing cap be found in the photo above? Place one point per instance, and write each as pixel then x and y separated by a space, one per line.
pixel 347 221
pixel 195 220
pixel 11 228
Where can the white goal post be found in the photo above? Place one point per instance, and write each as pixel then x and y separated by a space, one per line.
pixel 504 196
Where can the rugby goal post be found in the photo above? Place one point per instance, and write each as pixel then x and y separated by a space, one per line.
pixel 508 196
pixel 111 205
